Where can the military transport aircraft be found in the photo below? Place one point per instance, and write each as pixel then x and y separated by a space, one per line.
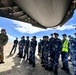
pixel 39 13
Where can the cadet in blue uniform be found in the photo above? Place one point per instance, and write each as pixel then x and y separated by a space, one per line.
pixel 32 51
pixel 73 53
pixel 27 42
pixel 56 47
pixel 46 51
pixel 50 45
pixel 42 51
pixel 21 46
pixel 39 47
pixel 70 39
pixel 14 46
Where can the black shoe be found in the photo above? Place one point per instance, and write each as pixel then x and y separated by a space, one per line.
pixel 34 65
pixel 38 54
pixel 17 53
pixel 50 69
pixel 23 57
pixel 46 67
pixel 69 60
pixel 43 65
pixel 67 71
pixel 30 62
pixel 27 59
pixel 62 68
pixel 56 72
pixel 2 62
pixel 42 62
pixel 10 54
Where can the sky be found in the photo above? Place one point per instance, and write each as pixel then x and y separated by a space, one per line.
pixel 17 29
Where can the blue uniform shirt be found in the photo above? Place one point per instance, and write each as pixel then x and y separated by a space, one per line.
pixel 15 41
pixel 73 44
pixel 27 42
pixel 57 45
pixel 22 43
pixel 33 43
pixel 46 45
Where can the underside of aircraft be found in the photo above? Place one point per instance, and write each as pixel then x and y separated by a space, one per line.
pixel 39 13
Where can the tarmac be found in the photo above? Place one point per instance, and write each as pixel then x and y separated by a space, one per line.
pixel 16 66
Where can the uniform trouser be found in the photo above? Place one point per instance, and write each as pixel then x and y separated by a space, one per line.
pixel 73 59
pixel 46 59
pixel 39 49
pixel 32 56
pixel 1 56
pixel 42 57
pixel 20 52
pixel 13 48
pixel 64 56
pixel 54 59
pixel 26 52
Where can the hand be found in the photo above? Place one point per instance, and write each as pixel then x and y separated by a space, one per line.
pixel 31 48
pixel 24 46
pixel 20 46
pixel 1 47
pixel 69 54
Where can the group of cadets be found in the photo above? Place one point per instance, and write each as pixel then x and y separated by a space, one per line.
pixel 49 51
pixel 26 49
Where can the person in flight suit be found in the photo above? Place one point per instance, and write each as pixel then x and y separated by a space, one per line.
pixel 27 42
pixel 21 46
pixel 3 42
pixel 64 54
pixel 32 51
pixel 14 46
pixel 73 53
pixel 56 47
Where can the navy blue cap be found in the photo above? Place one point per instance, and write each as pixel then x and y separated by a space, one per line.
pixel 23 36
pixel 51 34
pixel 34 36
pixel 56 34
pixel 27 37
pixel 64 35
pixel 69 35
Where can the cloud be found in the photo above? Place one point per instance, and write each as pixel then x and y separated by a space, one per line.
pixel 0 29
pixel 67 27
pixel 64 27
pixel 11 38
pixel 28 28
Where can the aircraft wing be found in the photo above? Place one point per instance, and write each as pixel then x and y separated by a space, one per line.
pixel 39 13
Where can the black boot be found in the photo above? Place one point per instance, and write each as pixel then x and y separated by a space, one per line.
pixel 30 61
pixel 2 62
pixel 67 71
pixel 46 67
pixel 56 72
pixel 33 64
pixel 50 69
pixel 43 65
pixel 63 67
pixel 24 56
